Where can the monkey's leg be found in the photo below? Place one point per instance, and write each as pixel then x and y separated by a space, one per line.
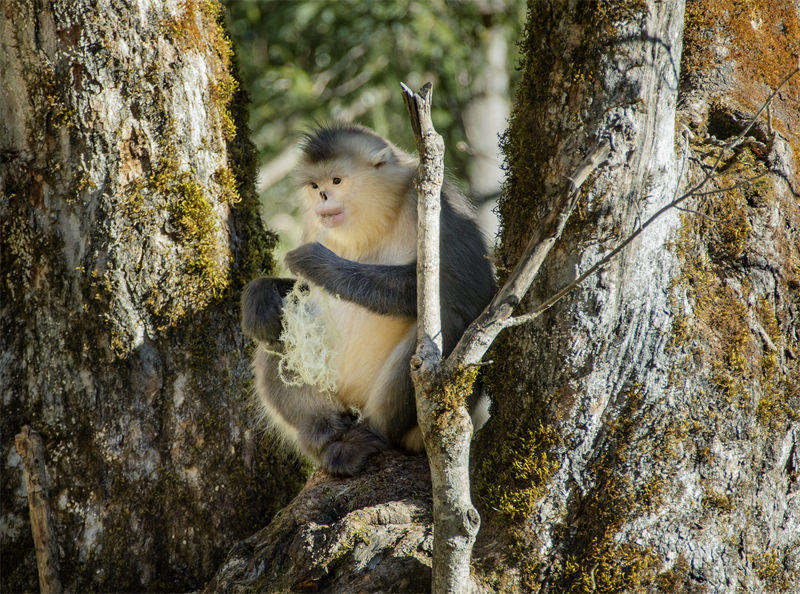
pixel 391 407
pixel 324 430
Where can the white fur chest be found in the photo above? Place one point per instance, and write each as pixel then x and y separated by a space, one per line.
pixel 361 342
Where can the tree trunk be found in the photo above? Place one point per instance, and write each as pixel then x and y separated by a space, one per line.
pixel 645 430
pixel 127 228
pixel 485 119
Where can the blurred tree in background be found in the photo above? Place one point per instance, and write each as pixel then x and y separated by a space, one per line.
pixel 320 60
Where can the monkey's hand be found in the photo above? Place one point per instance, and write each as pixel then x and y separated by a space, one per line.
pixel 314 262
pixel 347 454
pixel 262 303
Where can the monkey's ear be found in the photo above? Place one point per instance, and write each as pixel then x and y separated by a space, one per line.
pixel 383 157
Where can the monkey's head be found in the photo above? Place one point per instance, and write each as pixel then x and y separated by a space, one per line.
pixel 352 181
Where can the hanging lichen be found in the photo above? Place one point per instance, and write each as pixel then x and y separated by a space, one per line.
pixel 307 356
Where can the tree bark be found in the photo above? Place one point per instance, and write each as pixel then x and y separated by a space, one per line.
pixel 485 119
pixel 650 429
pixel 31 451
pixel 128 225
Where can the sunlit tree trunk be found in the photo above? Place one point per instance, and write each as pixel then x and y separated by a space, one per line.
pixel 485 120
pixel 128 223
pixel 645 430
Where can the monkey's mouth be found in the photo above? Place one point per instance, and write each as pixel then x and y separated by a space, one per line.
pixel 331 216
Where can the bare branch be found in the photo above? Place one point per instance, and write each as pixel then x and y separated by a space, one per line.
pixel 31 450
pixel 482 332
pixel 738 184
pixel 697 213
pixel 456 521
pixel 428 182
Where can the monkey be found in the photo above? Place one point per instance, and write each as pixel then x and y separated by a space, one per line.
pixel 359 212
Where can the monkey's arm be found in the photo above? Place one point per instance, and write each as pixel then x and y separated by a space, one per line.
pixel 384 289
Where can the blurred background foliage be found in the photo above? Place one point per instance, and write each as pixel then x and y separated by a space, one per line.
pixel 307 61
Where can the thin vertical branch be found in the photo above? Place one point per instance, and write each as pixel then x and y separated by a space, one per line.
pixel 446 427
pixel 31 450
pixel 428 182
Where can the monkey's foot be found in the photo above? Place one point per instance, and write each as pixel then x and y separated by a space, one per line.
pixel 347 455
pixel 412 441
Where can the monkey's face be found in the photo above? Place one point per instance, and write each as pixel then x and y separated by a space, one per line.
pixel 353 198
pixel 326 194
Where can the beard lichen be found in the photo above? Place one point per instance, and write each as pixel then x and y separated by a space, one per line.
pixel 307 357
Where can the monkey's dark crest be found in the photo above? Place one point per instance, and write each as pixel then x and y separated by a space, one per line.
pixel 360 224
pixel 325 142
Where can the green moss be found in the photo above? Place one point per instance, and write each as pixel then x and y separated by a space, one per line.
pixel 594 559
pixel 718 334
pixel 256 243
pixel 773 407
pixel 222 91
pixel 763 38
pixel 52 110
pixel 199 26
pixel 714 500
pixel 191 211
pixel 204 260
pixel 80 185
pixel 719 314
pixel 514 478
pixel 452 392
pixel 675 578
pixel 622 568
pixel 229 186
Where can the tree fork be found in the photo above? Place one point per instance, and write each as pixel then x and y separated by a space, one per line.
pixel 440 385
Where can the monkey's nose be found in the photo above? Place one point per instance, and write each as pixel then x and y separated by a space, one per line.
pixel 323 195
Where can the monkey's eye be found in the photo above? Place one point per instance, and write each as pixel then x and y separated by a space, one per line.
pixel 313 185
pixel 337 180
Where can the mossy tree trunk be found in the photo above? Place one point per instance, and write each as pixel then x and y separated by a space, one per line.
pixel 128 224
pixel 645 432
